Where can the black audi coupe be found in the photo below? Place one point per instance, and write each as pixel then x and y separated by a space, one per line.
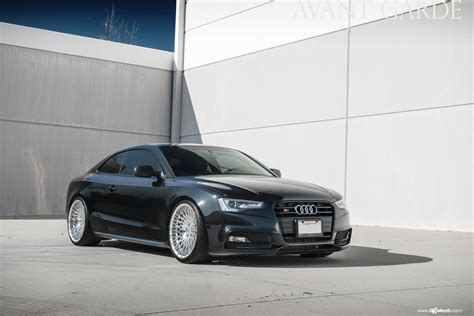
pixel 203 201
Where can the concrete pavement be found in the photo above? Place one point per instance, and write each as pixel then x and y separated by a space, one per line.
pixel 385 271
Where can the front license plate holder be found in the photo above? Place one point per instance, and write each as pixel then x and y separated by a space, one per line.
pixel 309 228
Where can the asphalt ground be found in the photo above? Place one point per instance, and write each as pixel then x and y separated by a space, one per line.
pixel 386 271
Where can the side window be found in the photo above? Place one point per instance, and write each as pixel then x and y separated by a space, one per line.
pixel 139 157
pixel 114 164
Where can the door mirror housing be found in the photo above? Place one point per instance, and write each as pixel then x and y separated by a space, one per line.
pixel 148 172
pixel 277 172
pixel 160 176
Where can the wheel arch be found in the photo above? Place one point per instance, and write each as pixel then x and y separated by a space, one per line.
pixel 72 198
pixel 175 202
pixel 77 189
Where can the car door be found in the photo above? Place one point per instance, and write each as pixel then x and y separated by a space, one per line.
pixel 104 210
pixel 137 200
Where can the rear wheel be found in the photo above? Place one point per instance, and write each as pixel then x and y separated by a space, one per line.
pixel 187 234
pixel 316 254
pixel 78 227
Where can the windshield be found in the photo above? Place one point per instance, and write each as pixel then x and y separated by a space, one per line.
pixel 200 160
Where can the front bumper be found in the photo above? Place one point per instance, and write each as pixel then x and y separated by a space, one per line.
pixel 279 249
pixel 264 230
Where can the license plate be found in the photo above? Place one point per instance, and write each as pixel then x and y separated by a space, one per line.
pixel 309 228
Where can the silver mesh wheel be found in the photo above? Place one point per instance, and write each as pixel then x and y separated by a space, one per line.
pixel 76 220
pixel 183 230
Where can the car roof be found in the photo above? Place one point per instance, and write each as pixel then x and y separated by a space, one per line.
pixel 143 146
pixel 177 144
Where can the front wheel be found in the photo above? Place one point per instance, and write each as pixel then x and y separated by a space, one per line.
pixel 187 234
pixel 78 228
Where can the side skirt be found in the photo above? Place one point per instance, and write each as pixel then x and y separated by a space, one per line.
pixel 134 240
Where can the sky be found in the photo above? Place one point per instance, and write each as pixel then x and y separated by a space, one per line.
pixel 84 17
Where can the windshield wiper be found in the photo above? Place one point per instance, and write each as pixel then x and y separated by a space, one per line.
pixel 230 170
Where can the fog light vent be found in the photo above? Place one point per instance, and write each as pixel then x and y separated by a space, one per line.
pixel 239 239
pixel 343 235
pixel 343 238
pixel 248 240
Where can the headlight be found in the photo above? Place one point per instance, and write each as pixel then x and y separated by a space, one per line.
pixel 341 204
pixel 234 205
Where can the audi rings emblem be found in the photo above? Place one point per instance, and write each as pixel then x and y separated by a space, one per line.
pixel 308 209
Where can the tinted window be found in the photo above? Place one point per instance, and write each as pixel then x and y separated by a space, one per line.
pixel 139 158
pixel 201 160
pixel 114 164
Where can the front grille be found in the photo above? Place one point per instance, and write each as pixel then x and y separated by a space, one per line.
pixel 287 217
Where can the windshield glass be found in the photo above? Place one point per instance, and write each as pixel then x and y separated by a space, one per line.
pixel 201 160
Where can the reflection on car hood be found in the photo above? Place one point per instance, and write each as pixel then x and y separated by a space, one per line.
pixel 266 188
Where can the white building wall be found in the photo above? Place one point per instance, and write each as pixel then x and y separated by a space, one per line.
pixel 378 109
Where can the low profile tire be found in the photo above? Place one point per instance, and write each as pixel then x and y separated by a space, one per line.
pixel 316 254
pixel 187 234
pixel 78 227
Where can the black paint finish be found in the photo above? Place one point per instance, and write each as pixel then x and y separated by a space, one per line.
pixel 138 208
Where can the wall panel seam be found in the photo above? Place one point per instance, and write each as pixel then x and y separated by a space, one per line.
pixel 411 110
pixel 82 127
pixel 227 16
pixel 332 119
pixel 266 49
pixel 346 139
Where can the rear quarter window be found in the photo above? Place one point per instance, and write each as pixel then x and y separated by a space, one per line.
pixel 114 164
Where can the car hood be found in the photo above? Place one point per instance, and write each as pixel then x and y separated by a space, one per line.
pixel 264 188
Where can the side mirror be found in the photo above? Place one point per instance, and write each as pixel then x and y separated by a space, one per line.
pixel 160 176
pixel 277 172
pixel 148 172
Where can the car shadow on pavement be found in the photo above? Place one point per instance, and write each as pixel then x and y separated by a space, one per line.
pixel 353 256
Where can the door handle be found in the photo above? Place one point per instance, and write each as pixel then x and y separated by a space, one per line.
pixel 112 188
